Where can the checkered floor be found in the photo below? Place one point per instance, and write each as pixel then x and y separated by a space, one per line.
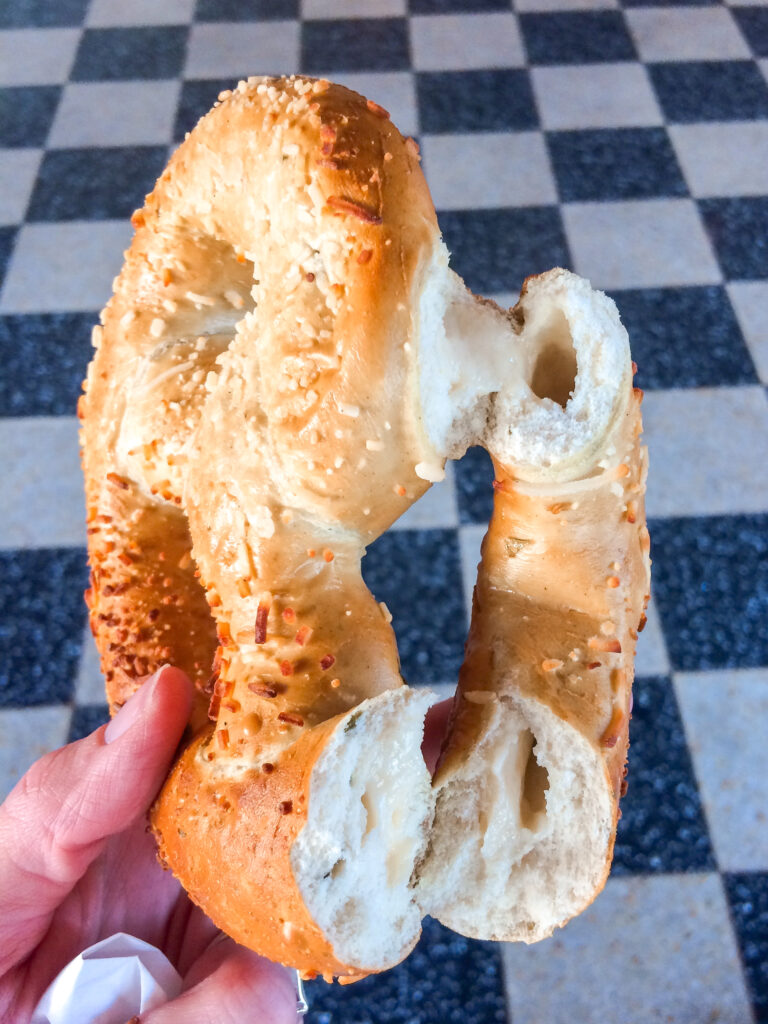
pixel 627 140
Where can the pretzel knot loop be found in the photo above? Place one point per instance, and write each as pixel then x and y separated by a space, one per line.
pixel 285 365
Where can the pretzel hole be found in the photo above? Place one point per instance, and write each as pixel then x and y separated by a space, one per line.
pixel 556 367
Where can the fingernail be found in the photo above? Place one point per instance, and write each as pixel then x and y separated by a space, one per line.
pixel 132 710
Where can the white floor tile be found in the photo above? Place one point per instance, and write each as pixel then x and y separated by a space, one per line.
pixel 67 266
pixel 434 510
pixel 686 33
pixel 750 301
pixel 723 159
pixel 25 735
pixel 41 501
pixel 595 96
pixel 352 9
pixel 241 49
pixel 707 451
pixel 649 949
pixel 651 658
pixel 563 5
pixel 470 539
pixel 488 170
pixel 37 56
pixel 89 685
pixel 394 90
pixel 459 42
pixel 114 13
pixel 724 715
pixel 18 170
pixel 115 114
pixel 656 243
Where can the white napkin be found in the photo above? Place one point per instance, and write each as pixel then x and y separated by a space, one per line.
pixel 108 983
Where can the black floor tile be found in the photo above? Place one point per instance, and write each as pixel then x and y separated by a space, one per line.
pixel 196 99
pixel 246 10
pixel 417 573
pixel 739 231
pixel 371 44
pixel 86 718
pixel 44 359
pixel 456 6
pixel 94 184
pixel 447 979
pixel 615 163
pixel 753 22
pixel 710 583
pixel 710 90
pixel 473 475
pixel 41 593
pixel 495 250
pixel 110 54
pixel 26 114
pixel 748 898
pixel 475 101
pixel 42 13
pixel 666 3
pixel 685 338
pixel 662 828
pixel 576 37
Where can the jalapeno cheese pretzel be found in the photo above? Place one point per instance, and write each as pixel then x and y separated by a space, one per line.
pixel 284 367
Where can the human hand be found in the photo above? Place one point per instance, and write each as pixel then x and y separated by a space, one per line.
pixel 77 865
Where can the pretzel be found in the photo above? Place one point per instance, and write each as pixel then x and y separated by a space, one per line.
pixel 285 365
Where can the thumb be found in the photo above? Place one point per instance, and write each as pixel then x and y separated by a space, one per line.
pixel 230 984
pixel 57 819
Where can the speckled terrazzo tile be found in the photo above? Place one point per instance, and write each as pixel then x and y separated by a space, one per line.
pixel 710 90
pixel 108 14
pixel 417 574
pixel 37 56
pixel 726 159
pixel 446 980
pixel 25 736
pixel 115 114
pixel 748 899
pixel 576 37
pixel 495 250
pixel 654 949
pixel 86 718
pixel 470 540
pixel 651 658
pixel 44 360
pixel 754 25
pixel 40 469
pixel 707 449
pixel 42 277
pixel 245 10
pixel 375 44
pixel 238 50
pixel 340 8
pixel 646 243
pixel 18 169
pixel 474 486
pixel 722 712
pixel 684 337
pixel 457 6
pixel 26 114
pixel 111 54
pixel 675 33
pixel 496 170
pixel 662 828
pixel 490 100
pixel 196 99
pixel 710 579
pixel 615 163
pixel 739 231
pixel 41 593
pixel 750 300
pixel 95 183
pixel 41 13
pixel 464 41
pixel 615 95
pixel 7 241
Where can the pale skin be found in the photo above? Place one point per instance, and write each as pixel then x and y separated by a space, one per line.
pixel 77 865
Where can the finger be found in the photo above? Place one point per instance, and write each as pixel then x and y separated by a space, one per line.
pixel 229 985
pixel 57 819
pixel 435 726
